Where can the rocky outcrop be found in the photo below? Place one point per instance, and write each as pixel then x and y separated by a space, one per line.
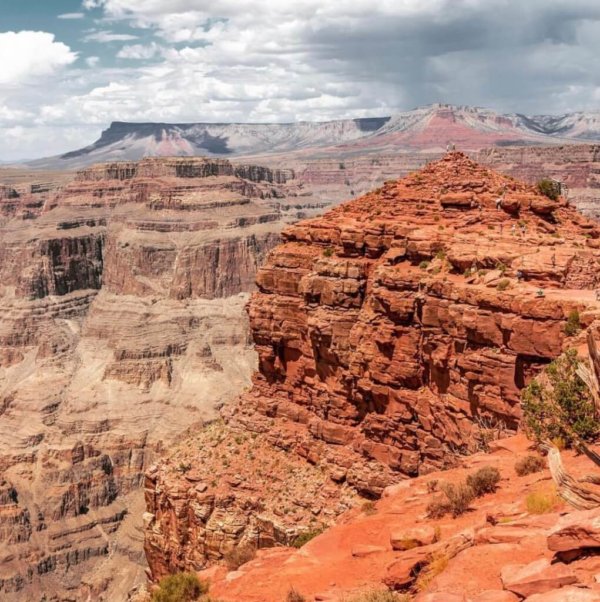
pixel 121 326
pixel 393 334
pixel 497 548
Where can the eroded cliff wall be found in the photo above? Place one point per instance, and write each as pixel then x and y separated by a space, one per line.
pixel 392 334
pixel 121 326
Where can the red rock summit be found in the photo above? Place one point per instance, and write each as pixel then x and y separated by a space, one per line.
pixel 391 332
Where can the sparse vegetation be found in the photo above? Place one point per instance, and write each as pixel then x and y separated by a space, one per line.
pixel 558 404
pixel 485 480
pixel 424 265
pixel 503 284
pixel 432 486
pixel 529 464
pixel 328 251
pixel 573 325
pixel 434 567
pixel 369 508
pixel 376 595
pixel 305 537
pixel 548 188
pixel 541 502
pixel 500 266
pixel 294 595
pixel 240 555
pixel 459 496
pixel 184 467
pixel 181 587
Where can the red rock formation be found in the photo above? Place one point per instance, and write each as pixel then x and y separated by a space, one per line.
pixel 485 555
pixel 390 331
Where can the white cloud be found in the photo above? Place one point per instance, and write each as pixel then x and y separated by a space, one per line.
pixel 109 36
pixel 26 55
pixel 71 16
pixel 267 60
pixel 139 51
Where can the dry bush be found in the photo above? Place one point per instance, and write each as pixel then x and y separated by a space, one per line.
pixel 542 502
pixel 485 480
pixel 529 464
pixel 433 568
pixel 294 596
pixel 181 587
pixel 240 555
pixel 375 595
pixel 369 508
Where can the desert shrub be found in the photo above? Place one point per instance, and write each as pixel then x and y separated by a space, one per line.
pixel 424 265
pixel 369 508
pixel 294 595
pixel 529 464
pixel 500 266
pixel 485 480
pixel 375 595
pixel 434 567
pixel 558 404
pixel 437 508
pixel 240 555
pixel 548 188
pixel 573 325
pixel 328 251
pixel 459 496
pixel 503 284
pixel 432 486
pixel 305 537
pixel 181 587
pixel 541 502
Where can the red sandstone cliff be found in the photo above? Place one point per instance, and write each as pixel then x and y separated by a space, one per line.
pixel 391 332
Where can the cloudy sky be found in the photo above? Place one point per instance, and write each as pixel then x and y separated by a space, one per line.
pixel 70 67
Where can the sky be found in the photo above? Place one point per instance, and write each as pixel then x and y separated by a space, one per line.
pixel 70 67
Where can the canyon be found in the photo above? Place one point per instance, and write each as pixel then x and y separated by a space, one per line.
pixel 123 328
pixel 122 294
pixel 394 335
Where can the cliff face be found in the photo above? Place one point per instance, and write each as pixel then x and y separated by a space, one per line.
pixel 393 334
pixel 121 326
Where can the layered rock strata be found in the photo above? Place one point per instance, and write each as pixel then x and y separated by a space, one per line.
pixel 121 326
pixel 394 334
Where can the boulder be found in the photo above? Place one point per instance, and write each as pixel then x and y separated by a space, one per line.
pixel 536 577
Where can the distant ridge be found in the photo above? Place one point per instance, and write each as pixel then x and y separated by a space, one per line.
pixel 429 128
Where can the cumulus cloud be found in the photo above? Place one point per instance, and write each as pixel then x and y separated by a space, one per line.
pixel 139 51
pixel 261 60
pixel 26 55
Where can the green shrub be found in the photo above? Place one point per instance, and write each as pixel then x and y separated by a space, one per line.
pixel 558 404
pixel 529 464
pixel 573 325
pixel 424 265
pixel 548 188
pixel 485 480
pixel 503 284
pixel 328 251
pixel 305 537
pixel 181 587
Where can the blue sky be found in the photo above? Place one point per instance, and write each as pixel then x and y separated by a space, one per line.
pixel 70 67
